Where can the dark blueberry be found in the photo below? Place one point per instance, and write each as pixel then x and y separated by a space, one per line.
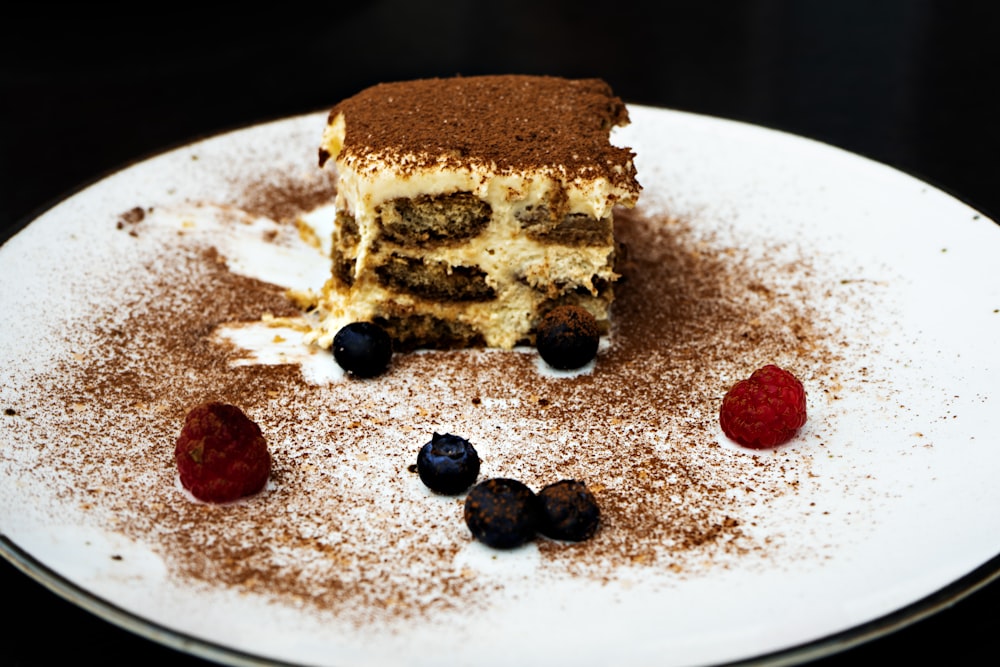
pixel 448 464
pixel 567 511
pixel 502 513
pixel 363 349
pixel 567 337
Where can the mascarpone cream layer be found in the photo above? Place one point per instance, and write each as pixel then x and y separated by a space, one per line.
pixel 366 181
pixel 505 253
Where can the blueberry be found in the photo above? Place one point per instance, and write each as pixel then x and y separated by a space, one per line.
pixel 363 349
pixel 567 337
pixel 502 513
pixel 567 511
pixel 448 464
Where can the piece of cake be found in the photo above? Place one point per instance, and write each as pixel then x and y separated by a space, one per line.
pixel 467 207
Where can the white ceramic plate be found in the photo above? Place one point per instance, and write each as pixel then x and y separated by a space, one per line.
pixel 877 288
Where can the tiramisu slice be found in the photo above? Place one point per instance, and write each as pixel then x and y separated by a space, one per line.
pixel 468 207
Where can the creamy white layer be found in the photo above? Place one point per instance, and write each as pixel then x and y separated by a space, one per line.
pixel 367 181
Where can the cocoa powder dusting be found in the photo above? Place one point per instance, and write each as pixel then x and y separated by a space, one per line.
pixel 507 122
pixel 281 197
pixel 344 526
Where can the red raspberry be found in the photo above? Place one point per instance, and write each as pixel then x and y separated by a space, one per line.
pixel 221 454
pixel 765 410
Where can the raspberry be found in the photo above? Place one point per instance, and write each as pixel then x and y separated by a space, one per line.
pixel 221 454
pixel 765 410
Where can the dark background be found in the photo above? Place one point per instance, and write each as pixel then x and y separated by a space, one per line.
pixel 910 83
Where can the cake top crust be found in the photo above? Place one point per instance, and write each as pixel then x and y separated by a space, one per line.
pixel 508 123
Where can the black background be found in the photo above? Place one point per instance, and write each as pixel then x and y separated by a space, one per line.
pixel 910 83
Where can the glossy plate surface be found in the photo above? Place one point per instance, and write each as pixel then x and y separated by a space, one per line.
pixel 875 287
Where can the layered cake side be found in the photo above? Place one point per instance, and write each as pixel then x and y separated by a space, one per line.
pixel 468 207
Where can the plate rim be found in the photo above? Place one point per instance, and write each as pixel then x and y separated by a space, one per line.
pixel 826 646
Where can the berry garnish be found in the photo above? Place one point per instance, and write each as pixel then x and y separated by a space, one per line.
pixel 502 513
pixel 765 410
pixel 363 349
pixel 221 454
pixel 448 464
pixel 567 337
pixel 568 511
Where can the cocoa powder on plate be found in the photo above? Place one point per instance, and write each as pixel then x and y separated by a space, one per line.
pixel 345 525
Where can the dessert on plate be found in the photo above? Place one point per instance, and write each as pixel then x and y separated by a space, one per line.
pixel 468 207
